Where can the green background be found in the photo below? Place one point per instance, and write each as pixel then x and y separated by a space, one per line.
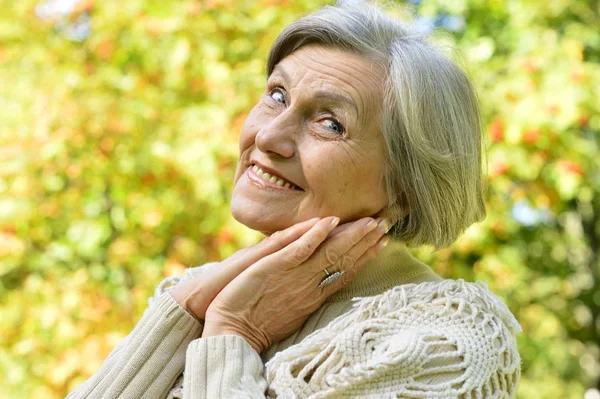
pixel 118 143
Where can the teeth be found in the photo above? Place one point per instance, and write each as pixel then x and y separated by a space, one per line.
pixel 272 178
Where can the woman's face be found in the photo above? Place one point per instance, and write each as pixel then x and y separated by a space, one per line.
pixel 315 127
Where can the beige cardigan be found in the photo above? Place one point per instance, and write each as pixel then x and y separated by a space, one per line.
pixel 407 333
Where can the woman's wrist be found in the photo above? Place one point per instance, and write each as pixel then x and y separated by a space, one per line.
pixel 183 301
pixel 211 331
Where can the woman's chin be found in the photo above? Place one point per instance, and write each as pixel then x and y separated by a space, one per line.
pixel 259 220
pixel 262 226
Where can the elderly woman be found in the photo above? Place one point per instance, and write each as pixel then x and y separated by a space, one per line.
pixel 365 134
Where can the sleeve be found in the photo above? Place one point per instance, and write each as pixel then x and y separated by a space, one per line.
pixel 223 366
pixel 147 362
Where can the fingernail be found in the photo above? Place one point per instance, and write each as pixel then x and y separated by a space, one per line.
pixel 384 241
pixel 385 225
pixel 371 225
pixel 334 222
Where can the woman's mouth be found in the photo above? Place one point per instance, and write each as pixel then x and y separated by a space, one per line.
pixel 257 175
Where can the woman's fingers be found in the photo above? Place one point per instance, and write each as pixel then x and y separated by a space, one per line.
pixel 281 239
pixel 231 267
pixel 369 241
pixel 367 256
pixel 344 249
pixel 195 295
pixel 372 252
pixel 340 228
pixel 300 250
pixel 276 241
pixel 365 250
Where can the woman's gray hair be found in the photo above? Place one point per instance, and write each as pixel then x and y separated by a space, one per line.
pixel 431 120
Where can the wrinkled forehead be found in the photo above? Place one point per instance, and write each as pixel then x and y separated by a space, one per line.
pixel 340 72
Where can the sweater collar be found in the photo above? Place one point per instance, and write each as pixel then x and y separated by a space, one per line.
pixel 394 266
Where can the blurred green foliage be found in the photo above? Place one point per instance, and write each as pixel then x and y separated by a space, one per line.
pixel 118 144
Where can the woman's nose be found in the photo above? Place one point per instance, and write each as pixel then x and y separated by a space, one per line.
pixel 277 137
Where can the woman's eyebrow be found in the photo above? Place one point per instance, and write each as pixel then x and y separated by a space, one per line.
pixel 338 97
pixel 283 73
pixel 321 94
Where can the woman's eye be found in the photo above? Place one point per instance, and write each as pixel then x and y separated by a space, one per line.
pixel 278 95
pixel 334 125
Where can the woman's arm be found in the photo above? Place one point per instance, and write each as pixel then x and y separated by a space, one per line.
pixel 148 361
pixel 277 301
pixel 223 366
pixel 442 339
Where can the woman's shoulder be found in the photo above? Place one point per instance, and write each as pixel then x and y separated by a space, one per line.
pixel 467 315
pixel 436 339
pixel 444 299
pixel 466 334
pixel 451 305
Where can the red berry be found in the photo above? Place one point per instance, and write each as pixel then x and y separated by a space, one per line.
pixel 496 130
pixel 531 136
pixel 529 66
pixel 571 166
pixel 499 168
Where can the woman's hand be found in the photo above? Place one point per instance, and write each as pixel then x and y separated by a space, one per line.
pixel 196 294
pixel 271 299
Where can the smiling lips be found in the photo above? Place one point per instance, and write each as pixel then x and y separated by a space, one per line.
pixel 273 179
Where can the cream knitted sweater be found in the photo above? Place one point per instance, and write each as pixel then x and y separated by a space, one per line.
pixel 396 330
